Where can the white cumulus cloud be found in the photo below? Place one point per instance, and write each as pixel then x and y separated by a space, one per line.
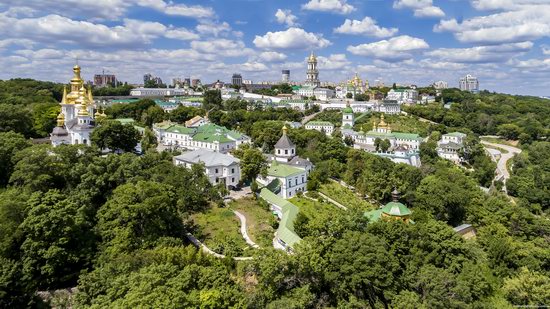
pixel 292 38
pixel 525 23
pixel 367 27
pixel 481 54
pixel 421 8
pixel 271 56
pixel 397 48
pixel 335 6
pixel 286 17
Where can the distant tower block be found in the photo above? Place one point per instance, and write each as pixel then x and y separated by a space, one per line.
pixel 285 76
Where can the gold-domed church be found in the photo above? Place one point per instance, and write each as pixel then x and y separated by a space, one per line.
pixel 76 122
pixel 353 86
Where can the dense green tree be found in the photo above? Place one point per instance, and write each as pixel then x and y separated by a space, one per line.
pixel 446 195
pixel 528 288
pixel 148 140
pixel 363 268
pixel 137 215
pixel 153 114
pixel 212 99
pixel 44 117
pixel 58 240
pixel 253 162
pixel 509 131
pixel 183 113
pixel 115 136
pixel 55 169
pixel 15 118
pixel 10 144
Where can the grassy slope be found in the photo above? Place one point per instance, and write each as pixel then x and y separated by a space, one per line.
pixel 258 220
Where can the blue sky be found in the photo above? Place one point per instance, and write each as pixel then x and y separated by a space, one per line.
pixel 506 43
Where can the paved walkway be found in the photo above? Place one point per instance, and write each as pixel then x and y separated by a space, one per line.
pixel 249 241
pixel 306 119
pixel 502 170
pixel 204 248
pixel 333 201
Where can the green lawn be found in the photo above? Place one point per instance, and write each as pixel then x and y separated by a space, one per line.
pixel 258 220
pixel 311 208
pixel 218 229
pixel 345 196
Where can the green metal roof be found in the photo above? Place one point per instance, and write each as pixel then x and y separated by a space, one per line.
pixel 412 136
pixel 125 120
pixel 285 231
pixel 394 209
pixel 176 128
pixel 319 123
pixel 211 137
pixel 347 110
pixel 124 101
pixel 283 170
pixel 296 88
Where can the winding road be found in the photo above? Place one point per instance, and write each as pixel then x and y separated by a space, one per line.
pixel 242 218
pixel 502 170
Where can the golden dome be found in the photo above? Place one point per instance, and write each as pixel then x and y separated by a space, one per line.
pixel 82 111
pixel 312 57
pixel 285 129
pixel 60 119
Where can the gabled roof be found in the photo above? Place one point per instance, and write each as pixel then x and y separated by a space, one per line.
pixel 285 231
pixel 211 137
pixel 176 128
pixel 319 123
pixel 284 142
pixel 193 120
pixel 456 134
pixel 283 170
pixel 209 158
pixel 412 136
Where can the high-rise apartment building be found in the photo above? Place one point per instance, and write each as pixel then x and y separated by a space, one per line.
pixel 469 83
pixel 237 79
pixel 285 77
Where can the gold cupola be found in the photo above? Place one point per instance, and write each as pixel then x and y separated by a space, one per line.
pixel 60 120
pixel 312 57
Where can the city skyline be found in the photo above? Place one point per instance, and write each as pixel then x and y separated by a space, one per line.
pixel 505 44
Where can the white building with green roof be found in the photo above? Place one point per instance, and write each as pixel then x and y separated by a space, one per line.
pixel 208 136
pixel 450 145
pixel 382 131
pixel 284 180
pixel 321 126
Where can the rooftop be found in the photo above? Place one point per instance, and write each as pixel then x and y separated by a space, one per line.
pixel 319 123
pixel 209 158
pixel 283 170
pixel 285 231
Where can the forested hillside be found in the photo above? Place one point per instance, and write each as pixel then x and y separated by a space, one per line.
pixel 114 227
